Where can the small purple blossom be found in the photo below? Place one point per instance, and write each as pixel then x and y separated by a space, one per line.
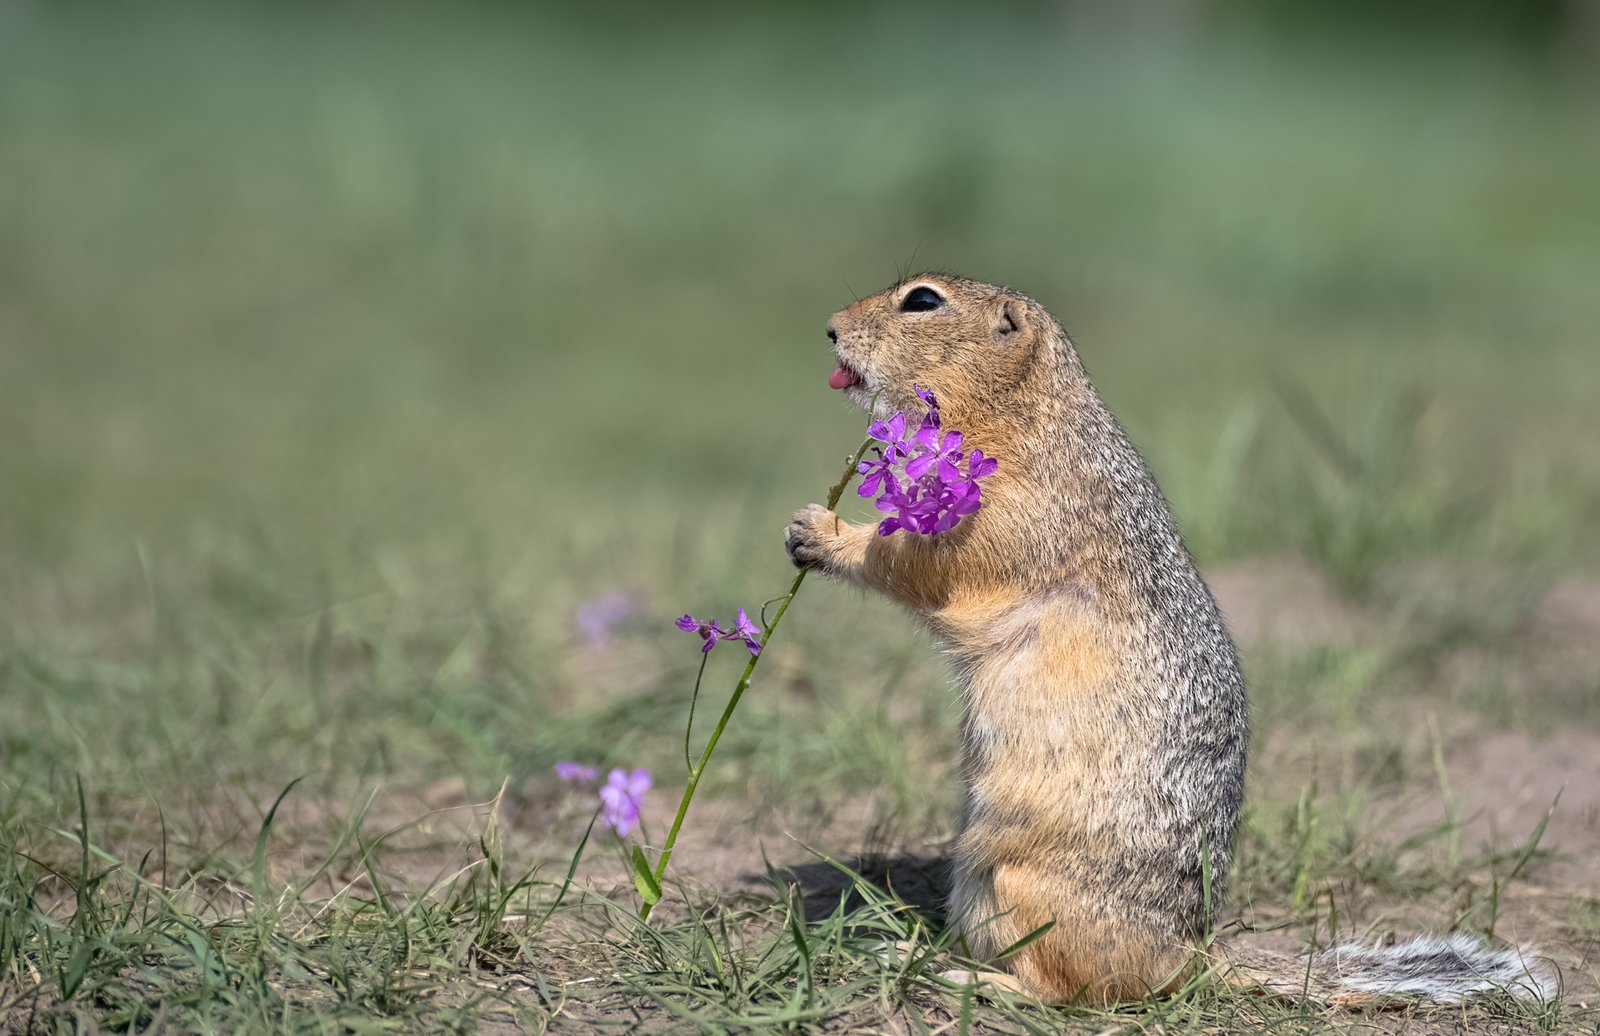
pixel 620 795
pixel 933 450
pixel 746 631
pixel 892 431
pixel 576 773
pixel 597 617
pixel 711 634
pixel 620 798
pixel 956 501
pixel 876 473
pixel 909 509
pixel 918 482
pixel 709 631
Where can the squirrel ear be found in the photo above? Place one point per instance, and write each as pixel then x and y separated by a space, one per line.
pixel 1008 322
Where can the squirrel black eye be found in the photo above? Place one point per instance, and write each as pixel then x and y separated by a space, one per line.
pixel 920 300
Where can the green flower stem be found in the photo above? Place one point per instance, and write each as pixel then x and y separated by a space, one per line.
pixel 699 769
pixel 688 728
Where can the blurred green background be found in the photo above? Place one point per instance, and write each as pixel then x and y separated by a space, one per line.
pixel 400 330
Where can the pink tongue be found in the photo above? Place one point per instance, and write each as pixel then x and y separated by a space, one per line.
pixel 842 377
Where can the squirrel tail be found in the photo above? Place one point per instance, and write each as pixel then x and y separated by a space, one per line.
pixel 1445 970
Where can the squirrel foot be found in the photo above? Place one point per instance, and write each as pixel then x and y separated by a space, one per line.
pixel 807 538
pixel 985 983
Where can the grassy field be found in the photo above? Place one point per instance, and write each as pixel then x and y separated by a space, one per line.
pixel 343 357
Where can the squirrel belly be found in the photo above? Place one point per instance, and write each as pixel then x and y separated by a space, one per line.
pixel 1104 770
pixel 1104 728
pixel 1069 820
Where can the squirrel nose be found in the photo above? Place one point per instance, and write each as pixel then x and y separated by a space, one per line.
pixel 833 333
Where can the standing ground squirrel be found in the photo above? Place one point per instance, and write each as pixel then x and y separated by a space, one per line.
pixel 1105 729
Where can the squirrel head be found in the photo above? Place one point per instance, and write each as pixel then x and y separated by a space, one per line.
pixel 973 345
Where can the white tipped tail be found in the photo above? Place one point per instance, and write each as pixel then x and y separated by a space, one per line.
pixel 1446 970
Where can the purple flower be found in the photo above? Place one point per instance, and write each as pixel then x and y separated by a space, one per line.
pixel 911 509
pixel 620 797
pixel 709 631
pixel 946 453
pixel 918 482
pixel 876 473
pixel 576 773
pixel 891 431
pixel 711 634
pixel 596 617
pixel 958 500
pixel 746 631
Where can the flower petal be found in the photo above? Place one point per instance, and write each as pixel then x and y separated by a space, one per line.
pixel 745 629
pixel 576 773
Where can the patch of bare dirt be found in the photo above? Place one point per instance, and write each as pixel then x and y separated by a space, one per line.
pixel 1504 783
pixel 1571 605
pixel 1287 603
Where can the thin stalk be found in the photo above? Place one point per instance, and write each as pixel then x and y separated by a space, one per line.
pixel 688 729
pixel 698 770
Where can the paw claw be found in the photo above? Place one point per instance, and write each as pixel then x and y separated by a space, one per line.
pixel 802 540
pixel 792 539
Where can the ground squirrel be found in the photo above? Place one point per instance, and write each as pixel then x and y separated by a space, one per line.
pixel 1105 730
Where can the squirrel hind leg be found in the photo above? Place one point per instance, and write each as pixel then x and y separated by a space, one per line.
pixel 1092 951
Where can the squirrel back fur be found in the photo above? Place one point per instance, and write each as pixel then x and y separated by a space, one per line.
pixel 1104 729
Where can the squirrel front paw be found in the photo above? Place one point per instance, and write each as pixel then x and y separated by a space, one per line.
pixel 806 538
